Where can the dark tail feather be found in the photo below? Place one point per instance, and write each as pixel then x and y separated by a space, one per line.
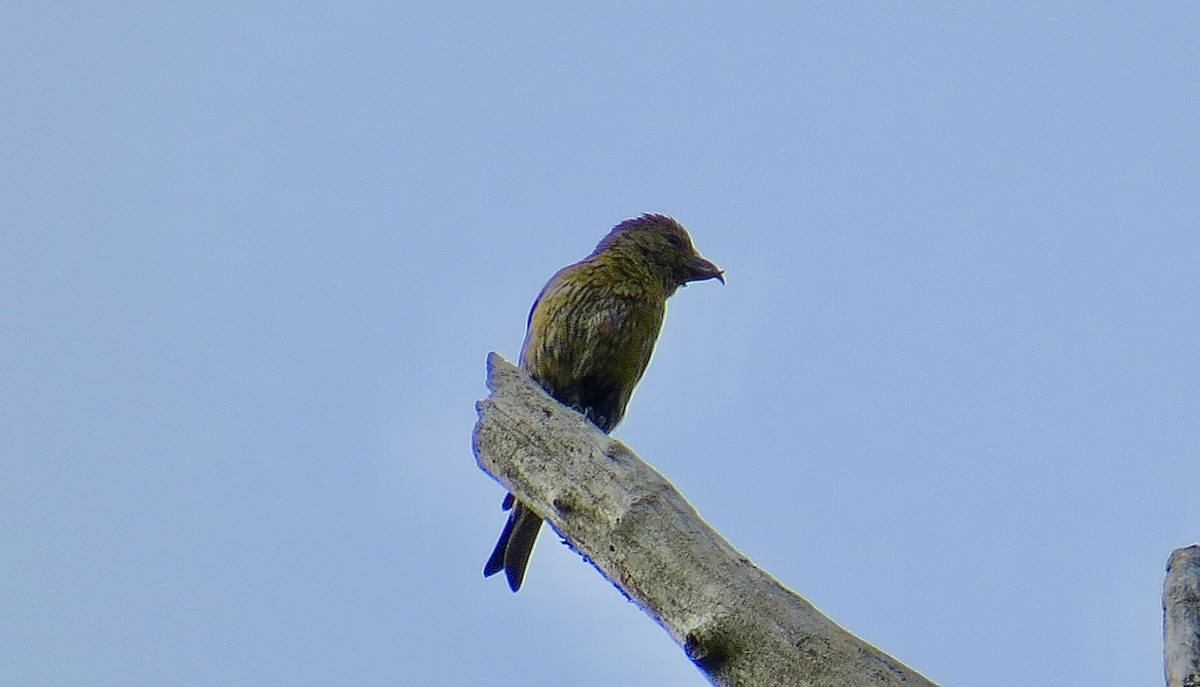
pixel 516 543
pixel 520 544
pixel 495 562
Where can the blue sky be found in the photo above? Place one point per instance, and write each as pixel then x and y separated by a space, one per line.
pixel 253 258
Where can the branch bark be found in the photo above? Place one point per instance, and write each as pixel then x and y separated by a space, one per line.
pixel 1181 618
pixel 738 624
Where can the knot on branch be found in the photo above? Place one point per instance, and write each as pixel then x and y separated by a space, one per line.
pixel 712 647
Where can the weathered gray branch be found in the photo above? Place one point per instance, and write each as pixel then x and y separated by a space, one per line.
pixel 735 622
pixel 1181 618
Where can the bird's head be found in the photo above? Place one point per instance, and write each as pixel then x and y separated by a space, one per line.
pixel 664 247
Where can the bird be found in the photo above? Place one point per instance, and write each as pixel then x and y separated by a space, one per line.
pixel 589 337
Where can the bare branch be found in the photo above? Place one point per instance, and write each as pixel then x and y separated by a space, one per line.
pixel 1181 618
pixel 738 624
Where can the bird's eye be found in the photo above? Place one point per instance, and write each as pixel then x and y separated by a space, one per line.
pixel 674 240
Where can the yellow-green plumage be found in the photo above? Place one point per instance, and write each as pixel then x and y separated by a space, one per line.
pixel 590 335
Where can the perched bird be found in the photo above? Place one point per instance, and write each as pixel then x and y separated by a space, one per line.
pixel 589 337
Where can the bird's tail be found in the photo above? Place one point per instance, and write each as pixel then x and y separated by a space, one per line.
pixel 516 543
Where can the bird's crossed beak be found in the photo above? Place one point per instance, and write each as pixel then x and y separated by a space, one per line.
pixel 700 269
